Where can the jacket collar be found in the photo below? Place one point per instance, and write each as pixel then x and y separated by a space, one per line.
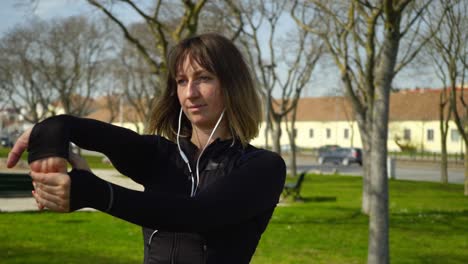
pixel 216 148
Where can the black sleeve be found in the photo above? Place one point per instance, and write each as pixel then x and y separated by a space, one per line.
pixel 130 153
pixel 251 189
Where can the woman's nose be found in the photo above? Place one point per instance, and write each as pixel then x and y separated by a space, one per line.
pixel 192 89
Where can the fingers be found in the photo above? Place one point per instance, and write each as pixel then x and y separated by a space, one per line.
pixel 51 201
pixel 36 165
pixel 40 207
pixel 60 191
pixel 20 146
pixel 51 164
pixel 58 164
pixel 51 179
pixel 52 191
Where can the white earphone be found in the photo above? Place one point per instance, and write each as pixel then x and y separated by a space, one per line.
pixel 184 157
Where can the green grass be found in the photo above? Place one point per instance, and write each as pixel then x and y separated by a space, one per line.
pixel 429 224
pixel 93 161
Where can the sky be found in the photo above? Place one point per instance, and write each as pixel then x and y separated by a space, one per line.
pixel 324 82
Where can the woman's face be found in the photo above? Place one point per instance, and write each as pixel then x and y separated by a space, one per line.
pixel 199 94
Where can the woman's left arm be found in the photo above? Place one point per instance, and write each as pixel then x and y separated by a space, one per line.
pixel 251 189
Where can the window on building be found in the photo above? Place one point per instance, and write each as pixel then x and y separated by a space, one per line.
pixel 328 133
pixel 430 135
pixel 454 135
pixel 407 134
pixel 311 133
pixel 346 133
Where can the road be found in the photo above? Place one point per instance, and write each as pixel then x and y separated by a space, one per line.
pixel 404 170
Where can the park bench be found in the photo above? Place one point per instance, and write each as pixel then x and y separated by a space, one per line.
pixel 294 188
pixel 15 185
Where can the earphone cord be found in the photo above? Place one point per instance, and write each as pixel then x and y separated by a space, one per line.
pixel 184 157
pixel 206 145
pixel 182 154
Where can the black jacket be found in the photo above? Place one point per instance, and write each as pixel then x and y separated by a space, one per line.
pixel 238 191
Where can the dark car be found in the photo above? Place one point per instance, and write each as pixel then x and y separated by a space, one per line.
pixel 6 142
pixel 344 156
pixel 327 148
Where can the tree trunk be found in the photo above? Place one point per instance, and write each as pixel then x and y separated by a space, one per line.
pixel 378 244
pixel 365 129
pixel 266 134
pixel 277 135
pixel 292 142
pixel 443 161
pixel 466 168
pixel 378 249
pixel 293 168
pixel 443 125
pixel 267 122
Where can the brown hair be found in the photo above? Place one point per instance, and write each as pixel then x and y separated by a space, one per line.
pixel 219 56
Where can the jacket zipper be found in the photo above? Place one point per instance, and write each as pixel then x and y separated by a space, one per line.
pixel 174 249
pixel 204 252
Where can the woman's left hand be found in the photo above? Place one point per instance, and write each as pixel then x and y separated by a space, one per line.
pixel 52 190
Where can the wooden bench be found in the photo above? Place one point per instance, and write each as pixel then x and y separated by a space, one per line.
pixel 294 188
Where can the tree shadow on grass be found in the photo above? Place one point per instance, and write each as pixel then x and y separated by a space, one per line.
pixel 307 199
pixel 346 216
pixel 25 254
pixel 443 258
pixel 318 199
pixel 432 217
pixel 73 221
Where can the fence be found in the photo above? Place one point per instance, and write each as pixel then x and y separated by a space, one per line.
pixel 456 158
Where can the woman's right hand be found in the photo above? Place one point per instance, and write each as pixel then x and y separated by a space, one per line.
pixel 51 164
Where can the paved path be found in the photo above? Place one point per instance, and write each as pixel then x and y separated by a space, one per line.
pixel 29 204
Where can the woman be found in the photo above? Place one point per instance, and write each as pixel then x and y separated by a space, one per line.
pixel 208 196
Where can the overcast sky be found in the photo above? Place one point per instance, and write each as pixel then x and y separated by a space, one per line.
pixel 13 12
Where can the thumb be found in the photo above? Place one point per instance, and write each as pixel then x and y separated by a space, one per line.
pixel 20 146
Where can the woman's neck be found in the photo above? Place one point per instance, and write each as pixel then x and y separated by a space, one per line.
pixel 200 136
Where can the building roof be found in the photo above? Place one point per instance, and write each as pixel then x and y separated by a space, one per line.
pixel 417 104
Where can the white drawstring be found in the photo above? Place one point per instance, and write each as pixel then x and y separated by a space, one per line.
pixel 184 157
pixel 151 237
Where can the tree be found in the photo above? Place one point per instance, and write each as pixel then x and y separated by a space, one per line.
pixel 364 38
pixel 71 58
pixel 20 80
pixel 135 84
pixel 449 50
pixel 165 23
pixel 285 69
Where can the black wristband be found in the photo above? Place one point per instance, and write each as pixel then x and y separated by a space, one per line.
pixel 49 138
pixel 88 190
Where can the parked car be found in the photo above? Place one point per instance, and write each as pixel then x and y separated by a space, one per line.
pixel 345 156
pixel 6 142
pixel 327 148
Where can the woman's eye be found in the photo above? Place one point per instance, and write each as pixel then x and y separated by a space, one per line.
pixel 205 78
pixel 181 82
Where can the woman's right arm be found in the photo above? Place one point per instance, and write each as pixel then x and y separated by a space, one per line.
pixel 129 152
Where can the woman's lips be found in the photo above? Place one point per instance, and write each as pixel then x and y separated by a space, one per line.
pixel 196 107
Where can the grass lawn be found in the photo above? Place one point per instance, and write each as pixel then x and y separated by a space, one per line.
pixel 429 224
